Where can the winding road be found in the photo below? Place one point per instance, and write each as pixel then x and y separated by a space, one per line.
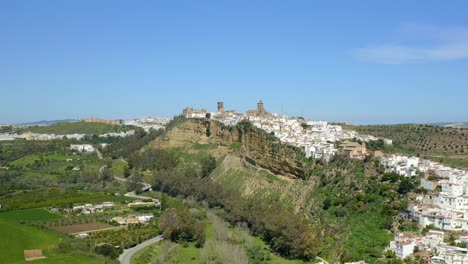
pixel 126 256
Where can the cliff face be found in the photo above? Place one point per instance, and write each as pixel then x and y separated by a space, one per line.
pixel 254 145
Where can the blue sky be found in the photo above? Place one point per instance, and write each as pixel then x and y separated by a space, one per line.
pixel 356 61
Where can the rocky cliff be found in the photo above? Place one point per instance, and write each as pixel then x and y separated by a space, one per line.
pixel 256 146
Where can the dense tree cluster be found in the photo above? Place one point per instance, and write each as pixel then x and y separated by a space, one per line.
pixel 361 205
pixel 153 159
pixel 108 250
pixel 375 144
pixel 128 145
pixel 180 225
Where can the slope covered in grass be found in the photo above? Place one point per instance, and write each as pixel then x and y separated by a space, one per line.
pixel 15 238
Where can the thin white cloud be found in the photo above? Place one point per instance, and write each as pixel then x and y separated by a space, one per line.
pixel 443 45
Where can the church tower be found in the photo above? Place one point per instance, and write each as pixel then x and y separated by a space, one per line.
pixel 260 108
pixel 221 107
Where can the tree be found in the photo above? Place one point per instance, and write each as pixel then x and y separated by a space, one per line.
pixel 179 225
pixel 405 186
pixel 126 171
pixel 163 201
pixel 326 203
pixel 208 165
pixel 106 174
pixel 108 250
pixel 134 182
pixel 305 126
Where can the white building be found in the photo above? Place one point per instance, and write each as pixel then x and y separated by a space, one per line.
pixel 405 248
pixel 428 185
pixel 82 147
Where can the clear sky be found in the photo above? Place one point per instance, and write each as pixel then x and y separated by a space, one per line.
pixel 355 61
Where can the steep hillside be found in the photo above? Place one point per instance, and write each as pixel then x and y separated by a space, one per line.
pixel 442 144
pixel 254 145
pixel 237 174
pixel 349 207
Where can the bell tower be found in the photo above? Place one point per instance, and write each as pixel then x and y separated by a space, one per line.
pixel 260 108
pixel 221 107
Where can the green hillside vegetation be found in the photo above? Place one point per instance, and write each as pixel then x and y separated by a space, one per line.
pixel 77 128
pixel 188 175
pixel 352 208
pixel 13 150
pixel 31 165
pixel 198 146
pixel 362 208
pixel 16 238
pixel 54 164
pixel 442 144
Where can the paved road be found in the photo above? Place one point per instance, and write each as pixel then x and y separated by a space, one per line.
pixel 127 255
pixel 146 186
pixel 134 195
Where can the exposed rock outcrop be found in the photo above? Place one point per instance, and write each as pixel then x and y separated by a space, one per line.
pixel 253 144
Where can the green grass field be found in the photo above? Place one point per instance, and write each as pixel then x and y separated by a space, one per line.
pixel 29 215
pixel 15 238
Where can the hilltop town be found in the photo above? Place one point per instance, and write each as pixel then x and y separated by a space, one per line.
pixel 316 138
pixel 443 209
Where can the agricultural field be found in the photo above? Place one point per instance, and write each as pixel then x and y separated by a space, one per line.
pixel 55 228
pixel 17 237
pixel 28 215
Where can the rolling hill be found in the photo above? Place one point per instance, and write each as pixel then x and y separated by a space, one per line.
pixel 76 128
pixel 447 145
